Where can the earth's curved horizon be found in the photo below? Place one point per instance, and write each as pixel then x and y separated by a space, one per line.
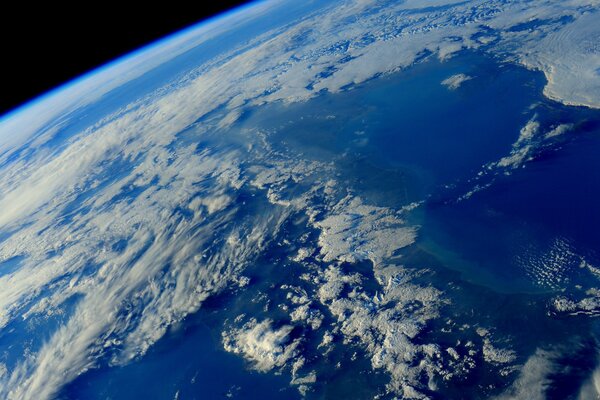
pixel 332 199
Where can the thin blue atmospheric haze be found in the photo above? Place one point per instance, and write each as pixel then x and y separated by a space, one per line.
pixel 110 67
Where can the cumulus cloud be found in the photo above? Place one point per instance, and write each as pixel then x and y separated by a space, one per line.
pixel 353 231
pixel 521 148
pixel 264 346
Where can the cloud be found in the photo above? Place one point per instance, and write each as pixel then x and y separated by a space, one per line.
pixel 533 380
pixel 264 346
pixel 591 388
pixel 570 59
pixel 455 81
pixel 521 148
pixel 353 231
pixel 558 130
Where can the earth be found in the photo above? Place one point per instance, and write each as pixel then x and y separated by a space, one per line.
pixel 313 199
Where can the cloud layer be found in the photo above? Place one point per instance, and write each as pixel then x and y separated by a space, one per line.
pixel 123 227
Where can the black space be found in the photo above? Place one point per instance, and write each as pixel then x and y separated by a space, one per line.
pixel 45 46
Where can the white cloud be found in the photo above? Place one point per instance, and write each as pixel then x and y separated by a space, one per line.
pixel 570 59
pixel 455 81
pixel 591 388
pixel 353 231
pixel 588 305
pixel 521 148
pixel 264 346
pixel 558 130
pixel 533 379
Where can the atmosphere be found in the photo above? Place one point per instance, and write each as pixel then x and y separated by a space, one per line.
pixel 58 42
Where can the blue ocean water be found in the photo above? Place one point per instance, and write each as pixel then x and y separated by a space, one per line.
pixel 543 211
pixel 396 140
pixel 188 363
